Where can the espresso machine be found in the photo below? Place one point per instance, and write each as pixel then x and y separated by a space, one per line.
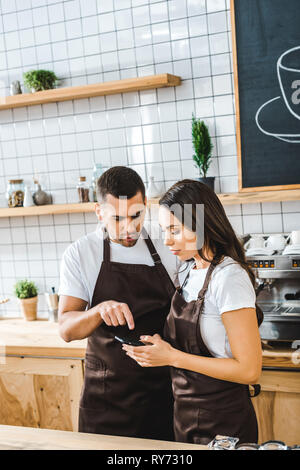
pixel 278 294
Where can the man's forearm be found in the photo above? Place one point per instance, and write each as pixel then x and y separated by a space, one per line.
pixel 78 324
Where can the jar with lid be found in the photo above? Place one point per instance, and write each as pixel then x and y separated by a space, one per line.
pixel 83 189
pixel 15 193
pixel 97 172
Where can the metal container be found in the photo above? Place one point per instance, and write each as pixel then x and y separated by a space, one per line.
pixel 52 302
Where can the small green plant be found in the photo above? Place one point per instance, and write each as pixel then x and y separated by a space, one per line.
pixel 202 145
pixel 25 289
pixel 40 79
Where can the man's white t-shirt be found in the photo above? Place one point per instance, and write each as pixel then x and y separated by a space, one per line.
pixel 229 288
pixel 81 262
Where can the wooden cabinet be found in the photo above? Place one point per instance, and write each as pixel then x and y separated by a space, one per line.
pixel 40 392
pixel 278 406
pixel 41 376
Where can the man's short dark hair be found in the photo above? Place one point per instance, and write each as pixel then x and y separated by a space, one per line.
pixel 119 181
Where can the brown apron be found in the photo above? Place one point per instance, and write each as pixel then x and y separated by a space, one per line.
pixel 119 397
pixel 204 406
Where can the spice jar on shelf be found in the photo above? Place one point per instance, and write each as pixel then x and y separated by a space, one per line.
pixel 83 189
pixel 15 193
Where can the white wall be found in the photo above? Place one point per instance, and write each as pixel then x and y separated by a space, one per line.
pixel 89 41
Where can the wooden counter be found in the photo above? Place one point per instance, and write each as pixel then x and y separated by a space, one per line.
pixel 19 438
pixel 41 377
pixel 41 339
pixel 37 338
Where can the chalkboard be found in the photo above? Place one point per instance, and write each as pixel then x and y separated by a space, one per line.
pixel 266 54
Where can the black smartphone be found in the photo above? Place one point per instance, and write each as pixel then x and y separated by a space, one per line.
pixel 131 342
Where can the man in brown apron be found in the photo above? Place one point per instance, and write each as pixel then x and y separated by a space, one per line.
pixel 120 397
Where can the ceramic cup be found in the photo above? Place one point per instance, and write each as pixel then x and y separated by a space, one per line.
pixel 294 237
pixel 256 241
pixel 276 241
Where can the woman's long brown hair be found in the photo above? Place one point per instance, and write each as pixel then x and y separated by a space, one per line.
pixel 219 235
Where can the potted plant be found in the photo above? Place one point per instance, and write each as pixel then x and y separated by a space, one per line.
pixel 38 80
pixel 203 148
pixel 26 291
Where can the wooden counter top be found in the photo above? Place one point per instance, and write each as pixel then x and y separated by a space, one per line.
pixel 41 338
pixel 281 356
pixel 21 438
pixel 37 338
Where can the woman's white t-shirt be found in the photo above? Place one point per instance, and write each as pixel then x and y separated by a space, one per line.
pixel 229 289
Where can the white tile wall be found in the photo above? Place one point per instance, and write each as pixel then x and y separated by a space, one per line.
pixel 92 41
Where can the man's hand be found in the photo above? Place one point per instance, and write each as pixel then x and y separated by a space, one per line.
pixel 115 313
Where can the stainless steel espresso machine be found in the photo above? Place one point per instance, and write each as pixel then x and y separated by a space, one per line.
pixel 278 295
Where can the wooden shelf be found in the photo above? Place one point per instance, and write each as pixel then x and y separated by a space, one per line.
pixel 260 196
pixel 226 199
pixel 257 196
pixel 48 209
pixel 87 91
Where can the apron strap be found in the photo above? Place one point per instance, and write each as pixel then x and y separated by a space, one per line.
pixel 155 256
pixel 106 246
pixel 186 277
pixel 207 279
pixel 162 272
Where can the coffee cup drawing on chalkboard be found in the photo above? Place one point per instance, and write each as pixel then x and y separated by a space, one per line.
pixel 286 106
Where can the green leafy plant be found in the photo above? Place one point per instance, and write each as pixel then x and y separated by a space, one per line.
pixel 202 145
pixel 25 289
pixel 40 79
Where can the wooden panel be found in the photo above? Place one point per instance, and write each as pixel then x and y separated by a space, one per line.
pixel 13 437
pixel 87 91
pixel 278 407
pixel 40 392
pixel 264 409
pixel 280 381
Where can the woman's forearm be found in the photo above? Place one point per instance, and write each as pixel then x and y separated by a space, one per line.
pixel 224 369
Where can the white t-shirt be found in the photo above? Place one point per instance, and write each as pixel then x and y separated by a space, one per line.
pixel 229 288
pixel 81 261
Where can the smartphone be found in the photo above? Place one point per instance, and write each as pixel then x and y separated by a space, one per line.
pixel 131 342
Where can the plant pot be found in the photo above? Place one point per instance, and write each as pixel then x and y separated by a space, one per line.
pixel 29 308
pixel 209 181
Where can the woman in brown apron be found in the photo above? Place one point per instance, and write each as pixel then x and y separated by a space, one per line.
pixel 119 397
pixel 207 402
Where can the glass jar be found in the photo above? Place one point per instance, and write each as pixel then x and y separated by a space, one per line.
pixel 15 193
pixel 247 446
pixel 273 445
pixel 83 190
pixel 97 172
pixel 223 443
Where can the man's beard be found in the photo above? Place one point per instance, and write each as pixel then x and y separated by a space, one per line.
pixel 127 243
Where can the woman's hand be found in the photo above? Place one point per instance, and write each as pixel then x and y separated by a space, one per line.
pixel 158 353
